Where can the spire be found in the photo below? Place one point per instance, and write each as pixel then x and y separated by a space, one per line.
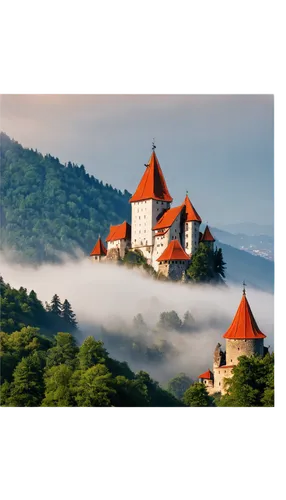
pixel 99 249
pixel 243 290
pixel 191 213
pixel 152 185
pixel 207 236
pixel 244 325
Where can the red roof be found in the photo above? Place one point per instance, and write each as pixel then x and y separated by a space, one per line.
pixel 244 325
pixel 208 374
pixel 99 248
pixel 152 185
pixel 207 236
pixel 174 251
pixel 120 232
pixel 168 217
pixel 191 213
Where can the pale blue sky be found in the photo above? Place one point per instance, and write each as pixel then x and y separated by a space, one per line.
pixel 219 147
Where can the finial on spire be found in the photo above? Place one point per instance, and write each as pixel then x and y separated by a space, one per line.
pixel 187 192
pixel 243 290
pixel 153 144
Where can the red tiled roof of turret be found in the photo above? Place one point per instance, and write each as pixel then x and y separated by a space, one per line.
pixel 120 232
pixel 191 213
pixel 174 251
pixel 152 185
pixel 207 236
pixel 244 325
pixel 99 248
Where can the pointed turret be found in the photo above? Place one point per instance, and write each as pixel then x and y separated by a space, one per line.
pixel 99 250
pixel 207 235
pixel 191 213
pixel 152 185
pixel 244 325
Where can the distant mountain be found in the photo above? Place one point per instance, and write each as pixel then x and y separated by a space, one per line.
pixel 261 245
pixel 249 228
pixel 256 271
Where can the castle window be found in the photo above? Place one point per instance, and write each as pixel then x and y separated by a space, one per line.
pixel 186 225
pixel 219 383
pixel 187 245
pixel 238 348
pixel 157 202
pixel 219 372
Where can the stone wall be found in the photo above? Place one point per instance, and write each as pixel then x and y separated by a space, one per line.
pixel 248 347
pixel 173 269
pixel 220 374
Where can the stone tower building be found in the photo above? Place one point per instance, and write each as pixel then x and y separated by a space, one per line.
pixel 243 338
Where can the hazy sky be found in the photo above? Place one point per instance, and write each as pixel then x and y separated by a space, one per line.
pixel 220 148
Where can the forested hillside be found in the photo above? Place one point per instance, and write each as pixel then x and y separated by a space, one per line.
pixel 48 207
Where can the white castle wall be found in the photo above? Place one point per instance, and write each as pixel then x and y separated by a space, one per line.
pixel 191 236
pixel 144 216
pixel 120 244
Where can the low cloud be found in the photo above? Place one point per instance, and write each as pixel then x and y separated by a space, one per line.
pixel 110 296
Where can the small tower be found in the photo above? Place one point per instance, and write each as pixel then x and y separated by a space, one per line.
pixel 173 261
pixel 208 238
pixel 207 378
pixel 150 200
pixel 99 251
pixel 191 230
pixel 243 338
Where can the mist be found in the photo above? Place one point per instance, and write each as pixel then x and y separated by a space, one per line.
pixel 109 296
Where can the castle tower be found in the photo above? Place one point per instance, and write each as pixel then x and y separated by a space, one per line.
pixel 192 227
pixel 207 238
pixel 243 338
pixel 118 240
pixel 150 200
pixel 173 261
pixel 207 378
pixel 99 251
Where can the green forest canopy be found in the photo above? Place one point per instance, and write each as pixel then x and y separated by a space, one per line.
pixel 47 207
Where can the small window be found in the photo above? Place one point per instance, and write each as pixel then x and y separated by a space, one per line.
pixel 238 348
pixel 157 202
pixel 187 245
pixel 219 383
pixel 224 371
pixel 219 372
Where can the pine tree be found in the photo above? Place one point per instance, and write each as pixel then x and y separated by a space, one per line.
pixel 67 314
pixel 56 306
pixel 219 264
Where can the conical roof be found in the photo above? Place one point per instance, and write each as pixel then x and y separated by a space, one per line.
pixel 191 213
pixel 152 185
pixel 207 236
pixel 99 248
pixel 174 251
pixel 244 325
pixel 208 374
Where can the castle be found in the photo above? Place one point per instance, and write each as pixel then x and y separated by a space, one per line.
pixel 243 338
pixel 167 237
